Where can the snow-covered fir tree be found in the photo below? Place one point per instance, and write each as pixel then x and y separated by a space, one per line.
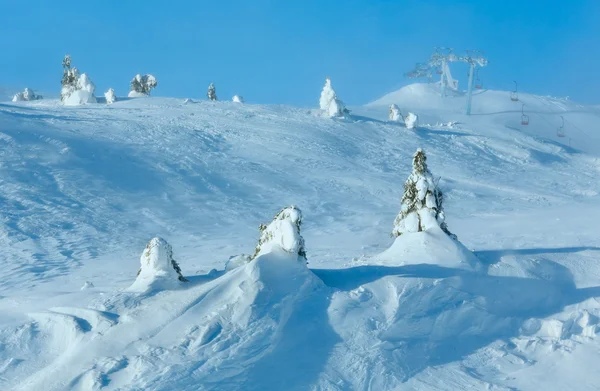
pixel 212 92
pixel 238 99
pixel 110 96
pixel 69 79
pixel 76 89
pixel 329 102
pixel 411 120
pixel 421 202
pixel 284 233
pixel 157 261
pixel 142 85
pixel 395 114
pixel 27 95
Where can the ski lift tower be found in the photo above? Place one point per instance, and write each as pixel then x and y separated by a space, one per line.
pixel 474 58
pixel 439 60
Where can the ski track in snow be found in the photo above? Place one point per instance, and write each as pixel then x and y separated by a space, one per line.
pixel 83 189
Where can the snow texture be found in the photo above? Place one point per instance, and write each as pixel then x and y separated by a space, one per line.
pixel 329 103
pixel 283 233
pixel 411 120
pixel 237 99
pixel 158 268
pixel 422 202
pixel 84 188
pixel 27 95
pixel 82 94
pixel 395 114
pixel 110 96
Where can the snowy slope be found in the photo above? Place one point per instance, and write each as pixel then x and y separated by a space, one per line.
pixel 83 189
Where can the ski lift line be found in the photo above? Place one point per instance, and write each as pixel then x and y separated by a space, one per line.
pixel 567 121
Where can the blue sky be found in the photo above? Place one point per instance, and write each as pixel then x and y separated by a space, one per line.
pixel 280 51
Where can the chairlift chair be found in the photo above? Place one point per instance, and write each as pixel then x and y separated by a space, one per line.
pixel 514 96
pixel 478 84
pixel 560 131
pixel 524 117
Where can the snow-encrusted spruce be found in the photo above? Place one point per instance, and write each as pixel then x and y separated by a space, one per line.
pixel 110 96
pixel 237 99
pixel 421 202
pixel 284 233
pixel 212 92
pixel 142 85
pixel 69 79
pixel 76 89
pixel 157 261
pixel 411 120
pixel 27 95
pixel 395 114
pixel 329 102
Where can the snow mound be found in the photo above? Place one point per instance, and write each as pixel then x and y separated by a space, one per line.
pixel 136 94
pixel 433 247
pixel 158 268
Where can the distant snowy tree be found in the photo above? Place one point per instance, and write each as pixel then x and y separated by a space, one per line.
pixel 283 232
pixel 421 202
pixel 69 79
pixel 142 85
pixel 26 95
pixel 238 99
pixel 212 92
pixel 329 102
pixel 18 97
pixel 110 96
pixel 83 92
pixel 157 260
pixel 411 120
pixel 395 114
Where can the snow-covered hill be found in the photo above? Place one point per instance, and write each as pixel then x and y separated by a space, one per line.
pixel 83 189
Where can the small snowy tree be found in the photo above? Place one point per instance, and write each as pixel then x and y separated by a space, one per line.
pixel 27 95
pixel 421 202
pixel 212 92
pixel 69 79
pixel 411 120
pixel 142 85
pixel 329 102
pixel 238 99
pixel 110 96
pixel 284 233
pixel 395 114
pixel 157 261
pixel 76 89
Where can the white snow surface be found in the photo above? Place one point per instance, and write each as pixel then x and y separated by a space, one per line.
pixel 84 188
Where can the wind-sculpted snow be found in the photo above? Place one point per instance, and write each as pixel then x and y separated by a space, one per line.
pixel 513 305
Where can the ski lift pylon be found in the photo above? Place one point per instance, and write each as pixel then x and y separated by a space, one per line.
pixel 524 117
pixel 560 131
pixel 514 96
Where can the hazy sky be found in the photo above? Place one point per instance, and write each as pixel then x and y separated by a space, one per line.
pixel 280 51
